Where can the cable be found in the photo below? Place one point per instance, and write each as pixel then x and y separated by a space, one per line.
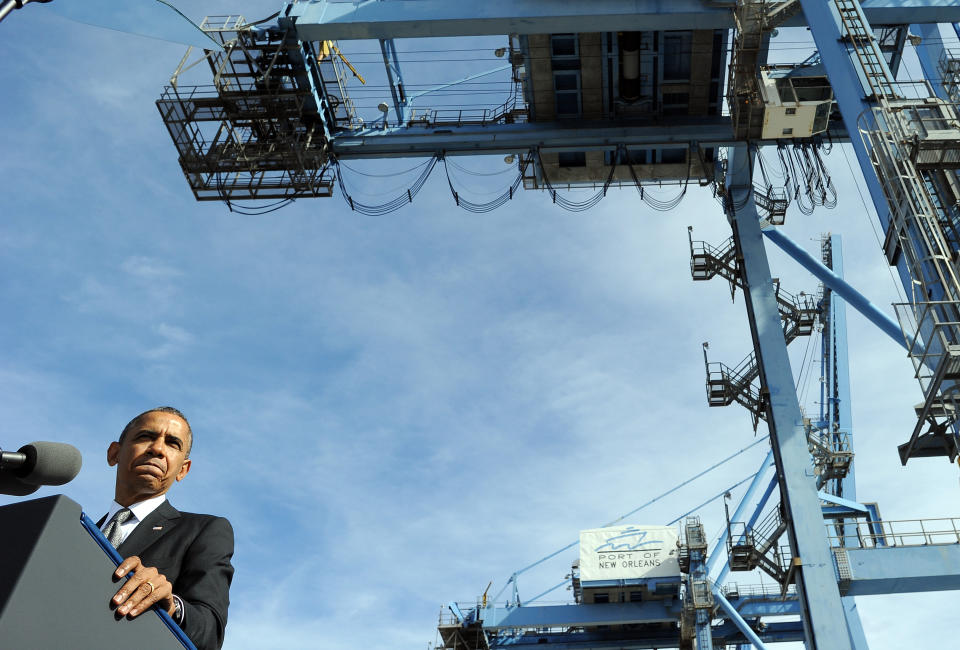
pixel 564 202
pixel 389 206
pixel 250 211
pixel 714 498
pixel 669 523
pixel 493 204
pixel 873 226
pixel 656 204
pixel 387 175
pixel 473 173
pixel 651 501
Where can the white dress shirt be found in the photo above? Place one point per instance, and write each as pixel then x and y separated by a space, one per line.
pixel 139 510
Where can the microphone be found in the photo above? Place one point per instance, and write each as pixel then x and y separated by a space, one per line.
pixel 39 463
pixel 12 486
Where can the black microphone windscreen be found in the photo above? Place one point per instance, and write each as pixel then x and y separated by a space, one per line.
pixel 12 486
pixel 50 463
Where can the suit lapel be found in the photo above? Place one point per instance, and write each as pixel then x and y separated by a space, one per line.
pixel 157 524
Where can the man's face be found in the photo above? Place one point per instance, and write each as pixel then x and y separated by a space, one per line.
pixel 152 455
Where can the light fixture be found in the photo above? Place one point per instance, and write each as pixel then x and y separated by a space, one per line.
pixel 499 52
pixel 509 159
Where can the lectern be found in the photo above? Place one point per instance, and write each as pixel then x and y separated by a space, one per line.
pixel 56 584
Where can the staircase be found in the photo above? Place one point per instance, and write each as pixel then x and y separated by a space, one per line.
pixel 757 547
pixel 798 315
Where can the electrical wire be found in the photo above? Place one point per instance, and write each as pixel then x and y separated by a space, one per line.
pixel 564 202
pixel 656 204
pixel 392 205
pixel 873 226
pixel 385 175
pixel 669 523
pixel 250 211
pixel 493 204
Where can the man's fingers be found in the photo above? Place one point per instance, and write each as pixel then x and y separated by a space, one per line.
pixel 158 592
pixel 132 563
pixel 131 592
pixel 144 588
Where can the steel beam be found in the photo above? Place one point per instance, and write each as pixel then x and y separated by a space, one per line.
pixel 840 287
pixel 501 139
pixel 782 632
pixel 851 99
pixel 652 611
pixel 510 138
pixel 738 620
pixel 759 606
pixel 317 21
pixel 900 569
pixel 824 622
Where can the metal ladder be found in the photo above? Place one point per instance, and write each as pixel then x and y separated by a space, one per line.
pixel 859 35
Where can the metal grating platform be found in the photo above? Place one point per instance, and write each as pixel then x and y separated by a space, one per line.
pixel 257 132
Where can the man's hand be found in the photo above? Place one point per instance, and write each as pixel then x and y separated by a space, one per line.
pixel 145 588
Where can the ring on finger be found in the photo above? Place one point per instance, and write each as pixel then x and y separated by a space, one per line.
pixel 150 584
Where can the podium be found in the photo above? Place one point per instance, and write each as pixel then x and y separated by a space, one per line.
pixel 56 582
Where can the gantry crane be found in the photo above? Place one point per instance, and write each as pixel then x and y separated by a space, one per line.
pixel 631 93
pixel 607 96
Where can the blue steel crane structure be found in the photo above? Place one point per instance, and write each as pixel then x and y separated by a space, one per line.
pixel 599 101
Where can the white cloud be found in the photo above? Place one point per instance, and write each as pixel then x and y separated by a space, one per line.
pixel 149 269
pixel 392 411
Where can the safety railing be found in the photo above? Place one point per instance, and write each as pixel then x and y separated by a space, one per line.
pixel 735 590
pixel 905 532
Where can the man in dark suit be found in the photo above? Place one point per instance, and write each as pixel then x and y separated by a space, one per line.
pixel 180 561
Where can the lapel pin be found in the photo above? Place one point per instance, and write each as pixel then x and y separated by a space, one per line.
pixel 158 527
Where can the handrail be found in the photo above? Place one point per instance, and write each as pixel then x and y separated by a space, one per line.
pixel 903 532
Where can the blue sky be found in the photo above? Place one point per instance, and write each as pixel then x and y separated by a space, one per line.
pixel 393 411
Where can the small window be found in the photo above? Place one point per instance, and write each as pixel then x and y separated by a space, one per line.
pixel 566 84
pixel 791 111
pixel 636 596
pixel 572 159
pixel 673 156
pixel 568 104
pixel 636 157
pixel 676 56
pixel 601 598
pixel 563 45
pixel 788 131
pixel 676 99
pixel 566 80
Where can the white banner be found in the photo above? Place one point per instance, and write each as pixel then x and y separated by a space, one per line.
pixel 628 552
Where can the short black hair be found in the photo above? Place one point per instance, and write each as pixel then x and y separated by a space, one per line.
pixel 161 409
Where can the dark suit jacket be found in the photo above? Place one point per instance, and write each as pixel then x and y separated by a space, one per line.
pixel 193 552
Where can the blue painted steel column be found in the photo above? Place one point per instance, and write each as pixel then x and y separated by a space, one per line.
pixel 823 616
pixel 838 285
pixel 839 400
pixel 840 395
pixel 394 77
pixel 825 26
